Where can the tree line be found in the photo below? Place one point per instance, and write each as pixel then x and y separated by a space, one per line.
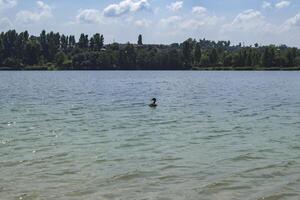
pixel 55 51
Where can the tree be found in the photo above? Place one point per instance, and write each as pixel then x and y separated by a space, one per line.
pixel 1 52
pixel 83 42
pixel 92 44
pixel 248 61
pixel 96 42
pixel 290 56
pixel 64 42
pixel 174 59
pixel 205 61
pixel 197 53
pixel 140 40
pixel 268 56
pixel 33 51
pixel 227 60
pixel 213 56
pixel 187 52
pixel 60 58
pixel 101 41
pixel 72 41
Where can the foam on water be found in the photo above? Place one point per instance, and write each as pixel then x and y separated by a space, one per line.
pixel 91 135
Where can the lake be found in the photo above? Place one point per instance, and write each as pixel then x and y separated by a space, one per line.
pixel 91 135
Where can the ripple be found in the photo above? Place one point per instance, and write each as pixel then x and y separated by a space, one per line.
pixel 245 157
pixel 175 167
pixel 260 168
pixel 279 196
pixel 133 175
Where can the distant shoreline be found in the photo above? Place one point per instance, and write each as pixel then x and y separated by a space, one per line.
pixel 45 68
pixel 55 51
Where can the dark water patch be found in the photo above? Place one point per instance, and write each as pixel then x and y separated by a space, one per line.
pixel 168 177
pixel 267 167
pixel 169 167
pixel 82 192
pixel 214 186
pixel 100 161
pixel 268 150
pixel 170 158
pixel 295 147
pixel 29 196
pixel 246 157
pixel 211 137
pixel 281 196
pixel 133 175
pixel 63 172
pixel 5 164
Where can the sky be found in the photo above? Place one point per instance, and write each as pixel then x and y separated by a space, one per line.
pixel 159 21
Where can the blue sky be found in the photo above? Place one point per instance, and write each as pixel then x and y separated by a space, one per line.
pixel 160 21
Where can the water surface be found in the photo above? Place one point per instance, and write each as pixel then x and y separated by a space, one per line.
pixel 91 135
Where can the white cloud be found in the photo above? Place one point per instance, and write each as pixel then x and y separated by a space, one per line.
pixel 247 20
pixel 266 5
pixel 125 6
pixel 293 22
pixel 251 26
pixel 199 19
pixel 88 16
pixel 8 3
pixel 173 21
pixel 175 6
pixel 282 4
pixel 143 23
pixel 44 11
pixel 194 22
pixel 5 24
pixel 199 10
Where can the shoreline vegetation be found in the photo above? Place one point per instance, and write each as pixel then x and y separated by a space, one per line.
pixel 55 51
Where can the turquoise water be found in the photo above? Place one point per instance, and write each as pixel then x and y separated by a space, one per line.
pixel 91 135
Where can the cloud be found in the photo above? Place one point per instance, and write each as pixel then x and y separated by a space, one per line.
pixel 44 11
pixel 247 20
pixel 292 22
pixel 8 3
pixel 143 23
pixel 251 26
pixel 282 4
pixel 266 5
pixel 175 6
pixel 194 22
pixel 125 6
pixel 5 24
pixel 88 16
pixel 199 10
pixel 173 21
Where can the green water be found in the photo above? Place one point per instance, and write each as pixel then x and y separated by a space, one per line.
pixel 91 135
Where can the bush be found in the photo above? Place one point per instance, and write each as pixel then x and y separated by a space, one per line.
pixel 12 63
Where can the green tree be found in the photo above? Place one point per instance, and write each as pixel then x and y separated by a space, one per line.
pixel 205 60
pixel 187 48
pixel 197 53
pixel 64 42
pixel 290 56
pixel 33 52
pixel 140 40
pixel 72 41
pixel 213 57
pixel 60 58
pixel 83 42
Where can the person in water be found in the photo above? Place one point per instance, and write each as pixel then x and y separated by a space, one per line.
pixel 153 104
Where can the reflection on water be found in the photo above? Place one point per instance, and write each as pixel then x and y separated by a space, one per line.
pixel 91 135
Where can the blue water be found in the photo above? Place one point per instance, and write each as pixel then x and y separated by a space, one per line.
pixel 91 135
